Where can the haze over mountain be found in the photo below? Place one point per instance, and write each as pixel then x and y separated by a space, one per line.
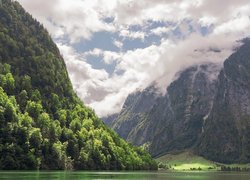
pixel 205 110
pixel 113 48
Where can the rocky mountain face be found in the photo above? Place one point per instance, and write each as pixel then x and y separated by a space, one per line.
pixel 172 121
pixel 134 112
pixel 226 136
pixel 206 109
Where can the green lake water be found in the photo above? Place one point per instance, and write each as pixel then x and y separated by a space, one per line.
pixel 21 175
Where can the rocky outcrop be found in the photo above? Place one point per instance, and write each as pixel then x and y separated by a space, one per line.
pixel 134 112
pixel 226 136
pixel 172 121
pixel 206 109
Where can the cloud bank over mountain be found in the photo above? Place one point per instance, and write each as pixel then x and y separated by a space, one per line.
pixel 115 47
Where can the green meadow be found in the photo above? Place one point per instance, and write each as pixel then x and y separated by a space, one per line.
pixel 187 161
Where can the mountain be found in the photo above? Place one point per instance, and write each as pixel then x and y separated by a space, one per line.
pixel 206 110
pixel 133 113
pixel 43 124
pixel 226 136
pixel 172 121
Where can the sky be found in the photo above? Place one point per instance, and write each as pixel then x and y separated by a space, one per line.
pixel 115 47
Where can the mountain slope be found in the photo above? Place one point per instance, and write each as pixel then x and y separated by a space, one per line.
pixel 173 121
pixel 226 136
pixel 43 123
pixel 134 112
pixel 205 109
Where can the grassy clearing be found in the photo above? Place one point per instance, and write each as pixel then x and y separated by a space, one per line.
pixel 185 161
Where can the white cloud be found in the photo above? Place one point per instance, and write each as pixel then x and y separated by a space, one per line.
pixel 95 52
pixel 159 31
pixel 118 44
pixel 107 56
pixel 136 69
pixel 110 57
pixel 142 67
pixel 207 20
pixel 84 78
pixel 132 34
pixel 233 26
pixel 74 19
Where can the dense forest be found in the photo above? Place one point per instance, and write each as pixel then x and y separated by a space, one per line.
pixel 43 124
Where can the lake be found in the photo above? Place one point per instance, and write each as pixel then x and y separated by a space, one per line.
pixel 26 175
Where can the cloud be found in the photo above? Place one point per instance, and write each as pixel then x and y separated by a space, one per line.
pixel 118 44
pixel 108 56
pixel 132 34
pixel 207 20
pixel 141 68
pixel 159 31
pixel 233 26
pixel 81 19
pixel 85 79
pixel 103 93
pixel 140 11
pixel 190 32
pixel 76 20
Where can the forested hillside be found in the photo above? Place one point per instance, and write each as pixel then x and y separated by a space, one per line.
pixel 43 123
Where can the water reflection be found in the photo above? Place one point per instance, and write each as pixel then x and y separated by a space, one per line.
pixel 21 175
